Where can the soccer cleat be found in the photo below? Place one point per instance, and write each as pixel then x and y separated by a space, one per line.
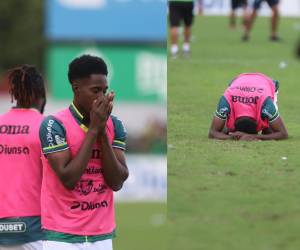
pixel 245 38
pixel 186 49
pixel 186 53
pixel 174 50
pixel 174 55
pixel 275 39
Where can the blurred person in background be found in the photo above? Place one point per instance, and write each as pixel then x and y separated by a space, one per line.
pixel 180 10
pixel 274 19
pixel 249 106
pixel 200 7
pixel 20 158
pixel 235 4
pixel 84 162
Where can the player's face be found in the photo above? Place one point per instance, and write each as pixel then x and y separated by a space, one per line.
pixel 90 89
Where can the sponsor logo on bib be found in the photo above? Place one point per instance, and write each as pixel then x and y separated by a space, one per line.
pixel 12 227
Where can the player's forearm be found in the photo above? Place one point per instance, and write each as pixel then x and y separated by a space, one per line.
pixel 213 134
pixel 74 169
pixel 279 135
pixel 114 172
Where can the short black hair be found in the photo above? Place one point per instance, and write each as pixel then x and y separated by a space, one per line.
pixel 84 66
pixel 26 85
pixel 245 124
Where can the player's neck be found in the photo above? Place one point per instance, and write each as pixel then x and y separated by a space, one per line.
pixel 85 117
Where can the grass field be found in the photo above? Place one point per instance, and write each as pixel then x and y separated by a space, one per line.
pixel 141 226
pixel 227 195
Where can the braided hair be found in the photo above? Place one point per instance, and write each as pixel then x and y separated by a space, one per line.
pixel 26 85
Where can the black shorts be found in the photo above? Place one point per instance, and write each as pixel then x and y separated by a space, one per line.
pixel 181 11
pixel 238 3
pixel 271 3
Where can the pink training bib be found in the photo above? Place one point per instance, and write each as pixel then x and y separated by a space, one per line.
pixel 246 95
pixel 89 208
pixel 20 163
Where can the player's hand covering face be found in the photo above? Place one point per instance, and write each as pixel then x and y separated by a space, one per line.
pixel 101 109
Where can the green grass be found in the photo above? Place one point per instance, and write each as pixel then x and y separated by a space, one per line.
pixel 140 226
pixel 226 195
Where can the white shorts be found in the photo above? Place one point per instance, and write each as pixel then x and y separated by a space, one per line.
pixel 98 245
pixel 36 245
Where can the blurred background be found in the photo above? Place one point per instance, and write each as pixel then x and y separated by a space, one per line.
pixel 131 37
pixel 289 8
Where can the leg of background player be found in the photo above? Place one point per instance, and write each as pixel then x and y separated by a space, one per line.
pixel 187 37
pixel 274 23
pixel 174 41
pixel 249 25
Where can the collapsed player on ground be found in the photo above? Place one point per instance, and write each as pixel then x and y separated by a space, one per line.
pixel 248 110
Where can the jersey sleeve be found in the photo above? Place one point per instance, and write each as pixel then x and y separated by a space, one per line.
pixel 223 109
pixel 269 110
pixel 120 134
pixel 52 135
pixel 229 84
pixel 276 83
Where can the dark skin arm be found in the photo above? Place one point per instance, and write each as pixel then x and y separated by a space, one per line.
pixel 68 169
pixel 216 130
pixel 276 131
pixel 115 171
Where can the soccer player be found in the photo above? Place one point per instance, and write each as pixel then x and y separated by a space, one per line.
pixel 20 162
pixel 84 162
pixel 234 5
pixel 274 19
pixel 200 7
pixel 248 107
pixel 180 10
